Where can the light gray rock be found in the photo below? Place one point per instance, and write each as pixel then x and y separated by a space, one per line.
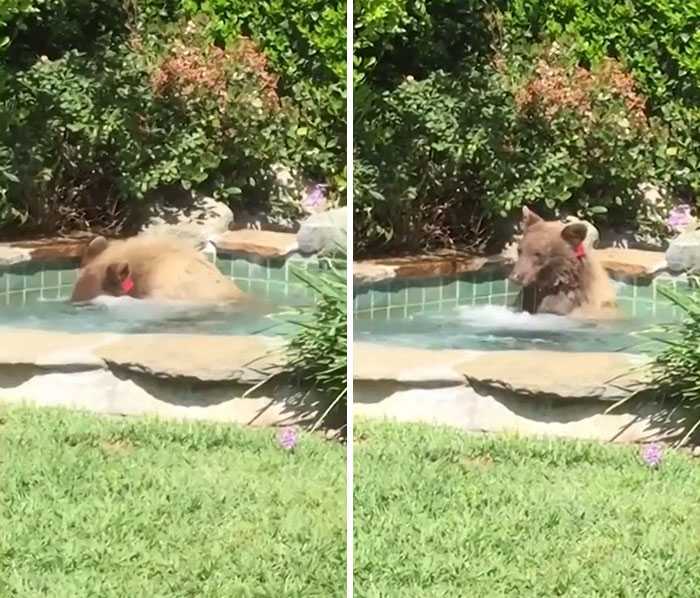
pixel 570 376
pixel 14 255
pixel 204 358
pixel 464 408
pixel 104 392
pixel 683 253
pixel 324 232
pixel 197 222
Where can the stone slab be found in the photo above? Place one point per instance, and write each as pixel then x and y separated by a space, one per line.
pixel 264 243
pixel 619 262
pixel 54 249
pixel 463 408
pixel 530 374
pixel 558 375
pixel 421 266
pixel 408 365
pixel 207 358
pixel 632 263
pixel 103 392
pixel 11 255
pixel 51 349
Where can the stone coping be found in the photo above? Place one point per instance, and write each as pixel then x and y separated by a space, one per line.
pixel 263 243
pixel 260 243
pixel 541 374
pixel 620 263
pixel 205 358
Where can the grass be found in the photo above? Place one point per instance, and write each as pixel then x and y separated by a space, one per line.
pixel 93 507
pixel 439 513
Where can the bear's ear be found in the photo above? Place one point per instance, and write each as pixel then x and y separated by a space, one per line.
pixel 117 273
pixel 574 234
pixel 529 218
pixel 95 248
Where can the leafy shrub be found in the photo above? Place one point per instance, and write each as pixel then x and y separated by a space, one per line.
pixel 305 42
pixel 51 27
pixel 657 40
pixel 425 65
pixel 317 354
pixel 94 136
pixel 106 120
pixel 443 158
pixel 659 44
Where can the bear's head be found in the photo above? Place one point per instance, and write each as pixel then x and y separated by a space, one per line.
pixel 100 276
pixel 546 249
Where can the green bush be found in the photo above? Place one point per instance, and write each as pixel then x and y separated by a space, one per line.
pixel 88 136
pixel 443 158
pixel 92 137
pixel 659 44
pixel 446 140
pixel 305 42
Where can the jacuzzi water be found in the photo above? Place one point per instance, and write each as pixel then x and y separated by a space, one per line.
pixel 499 328
pixel 128 315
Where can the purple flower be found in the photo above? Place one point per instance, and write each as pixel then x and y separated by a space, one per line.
pixel 652 455
pixel 679 217
pixel 287 438
pixel 315 200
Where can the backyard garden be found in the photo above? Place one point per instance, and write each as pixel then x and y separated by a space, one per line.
pixel 505 152
pixel 205 141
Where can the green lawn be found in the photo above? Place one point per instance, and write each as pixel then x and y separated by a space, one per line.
pixel 441 513
pixel 93 507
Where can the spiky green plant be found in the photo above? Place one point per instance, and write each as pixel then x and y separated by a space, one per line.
pixel 317 353
pixel 676 369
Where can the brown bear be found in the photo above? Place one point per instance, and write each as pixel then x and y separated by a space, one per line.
pixel 151 268
pixel 557 273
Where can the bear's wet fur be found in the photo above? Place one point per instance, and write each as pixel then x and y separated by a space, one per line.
pixel 150 267
pixel 557 274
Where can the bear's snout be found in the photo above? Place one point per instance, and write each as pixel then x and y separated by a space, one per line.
pixel 522 276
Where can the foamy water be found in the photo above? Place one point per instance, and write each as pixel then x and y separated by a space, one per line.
pixel 146 316
pixel 498 317
pixel 491 327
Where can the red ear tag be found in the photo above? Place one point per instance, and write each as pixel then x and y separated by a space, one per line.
pixel 127 285
pixel 580 250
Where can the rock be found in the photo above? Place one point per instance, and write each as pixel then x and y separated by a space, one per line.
pixel 325 232
pixel 245 220
pixel 104 392
pixel 464 408
pixel 652 194
pixel 570 376
pixel 592 236
pixel 242 359
pixel 48 349
pixel 256 242
pixel 632 263
pixel 197 222
pixel 10 255
pixel 683 253
pixel 375 362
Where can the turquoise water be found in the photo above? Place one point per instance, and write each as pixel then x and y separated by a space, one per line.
pixel 127 315
pixel 500 327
